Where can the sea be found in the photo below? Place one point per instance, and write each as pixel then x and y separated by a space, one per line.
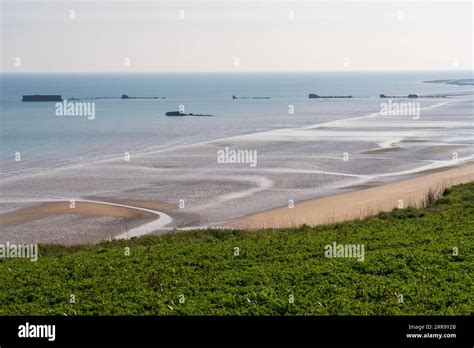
pixel 135 125
pixel 305 147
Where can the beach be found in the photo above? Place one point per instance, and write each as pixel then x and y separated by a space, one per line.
pixel 133 171
pixel 358 204
pixel 118 219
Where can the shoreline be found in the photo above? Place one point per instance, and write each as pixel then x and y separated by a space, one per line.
pixel 144 151
pixel 144 217
pixel 356 204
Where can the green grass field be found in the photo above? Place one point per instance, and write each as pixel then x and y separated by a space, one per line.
pixel 408 252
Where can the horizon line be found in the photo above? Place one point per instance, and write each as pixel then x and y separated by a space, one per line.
pixel 231 71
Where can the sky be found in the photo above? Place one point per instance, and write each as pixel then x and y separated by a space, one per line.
pixel 234 35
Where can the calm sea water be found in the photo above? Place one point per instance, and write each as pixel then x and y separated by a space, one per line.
pixel 45 140
pixel 300 154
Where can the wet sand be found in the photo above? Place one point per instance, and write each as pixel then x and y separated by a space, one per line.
pixel 188 184
pixel 357 204
pixel 58 208
pixel 87 221
pixel 91 222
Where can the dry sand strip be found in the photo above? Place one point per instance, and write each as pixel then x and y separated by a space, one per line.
pixel 357 204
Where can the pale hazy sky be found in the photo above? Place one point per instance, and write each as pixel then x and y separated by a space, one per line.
pixel 262 35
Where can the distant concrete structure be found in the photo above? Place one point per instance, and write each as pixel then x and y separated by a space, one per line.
pixel 42 98
pixel 315 96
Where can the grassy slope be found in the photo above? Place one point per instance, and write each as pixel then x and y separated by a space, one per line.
pixel 406 251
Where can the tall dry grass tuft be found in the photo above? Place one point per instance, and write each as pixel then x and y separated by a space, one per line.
pixel 435 192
